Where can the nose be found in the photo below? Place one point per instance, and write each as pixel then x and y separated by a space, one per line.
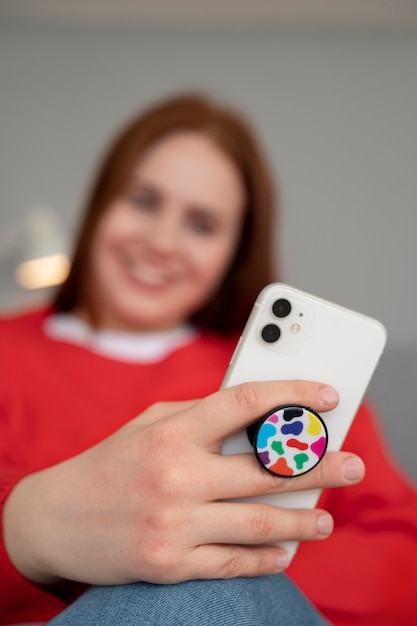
pixel 164 234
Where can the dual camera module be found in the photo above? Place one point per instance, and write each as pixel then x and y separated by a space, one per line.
pixel 271 332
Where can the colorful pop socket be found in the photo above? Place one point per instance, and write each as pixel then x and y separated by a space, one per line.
pixel 290 440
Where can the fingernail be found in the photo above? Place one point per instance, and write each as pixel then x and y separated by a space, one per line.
pixel 282 560
pixel 328 394
pixel 325 524
pixel 353 468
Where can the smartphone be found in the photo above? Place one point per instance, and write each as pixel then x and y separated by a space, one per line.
pixel 291 334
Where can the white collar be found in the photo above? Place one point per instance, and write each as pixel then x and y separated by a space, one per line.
pixel 120 345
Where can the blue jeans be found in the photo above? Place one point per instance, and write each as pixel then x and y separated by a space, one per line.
pixel 264 601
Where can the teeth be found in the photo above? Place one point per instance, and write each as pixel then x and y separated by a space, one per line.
pixel 149 275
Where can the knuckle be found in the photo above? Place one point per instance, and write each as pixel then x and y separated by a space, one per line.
pixel 320 473
pixel 158 523
pixel 162 438
pixel 153 413
pixel 232 566
pixel 160 561
pixel 158 548
pixel 250 396
pixel 159 408
pixel 261 525
pixel 162 522
pixel 173 483
pixel 323 475
pixel 265 483
pixel 299 390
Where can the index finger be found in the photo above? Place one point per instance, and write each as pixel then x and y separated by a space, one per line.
pixel 228 411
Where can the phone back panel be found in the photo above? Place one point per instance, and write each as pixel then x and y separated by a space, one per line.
pixel 319 341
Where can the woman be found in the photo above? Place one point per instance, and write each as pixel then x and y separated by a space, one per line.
pixel 172 252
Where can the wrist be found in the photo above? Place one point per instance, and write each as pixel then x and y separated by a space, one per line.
pixel 23 530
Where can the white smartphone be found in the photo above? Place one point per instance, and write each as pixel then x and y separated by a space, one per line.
pixel 291 334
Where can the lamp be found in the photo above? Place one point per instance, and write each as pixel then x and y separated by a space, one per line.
pixel 39 244
pixel 43 272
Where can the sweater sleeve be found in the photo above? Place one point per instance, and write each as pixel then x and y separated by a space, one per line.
pixel 366 572
pixel 19 598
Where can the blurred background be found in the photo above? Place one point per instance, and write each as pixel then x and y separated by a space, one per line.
pixel 330 85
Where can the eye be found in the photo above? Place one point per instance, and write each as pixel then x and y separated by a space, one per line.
pixel 144 200
pixel 202 224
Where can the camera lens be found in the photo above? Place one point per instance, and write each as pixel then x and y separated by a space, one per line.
pixel 281 308
pixel 270 333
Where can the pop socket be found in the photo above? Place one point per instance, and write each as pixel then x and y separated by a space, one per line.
pixel 290 440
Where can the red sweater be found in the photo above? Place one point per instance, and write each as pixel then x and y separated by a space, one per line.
pixel 57 399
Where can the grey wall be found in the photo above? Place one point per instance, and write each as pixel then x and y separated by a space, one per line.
pixel 337 115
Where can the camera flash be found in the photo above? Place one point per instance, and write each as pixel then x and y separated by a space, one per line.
pixel 295 328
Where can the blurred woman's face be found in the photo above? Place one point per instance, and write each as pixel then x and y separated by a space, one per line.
pixel 161 250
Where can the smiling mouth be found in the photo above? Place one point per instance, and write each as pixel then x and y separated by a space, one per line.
pixel 149 275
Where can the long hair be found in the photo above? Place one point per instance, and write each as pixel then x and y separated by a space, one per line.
pixel 252 266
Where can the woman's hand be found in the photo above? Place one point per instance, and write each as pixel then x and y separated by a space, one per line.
pixel 150 502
